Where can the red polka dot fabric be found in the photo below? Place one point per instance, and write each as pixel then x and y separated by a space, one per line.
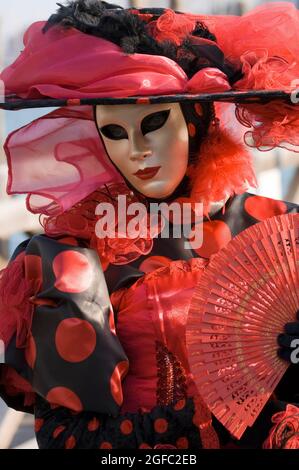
pixel 58 431
pixel 262 208
pixel 216 234
pixel 162 427
pixel 117 376
pixel 30 352
pixel 73 357
pixel 72 271
pixel 126 427
pixel 238 214
pixel 73 331
pixel 65 397
pixel 70 443
pixel 93 425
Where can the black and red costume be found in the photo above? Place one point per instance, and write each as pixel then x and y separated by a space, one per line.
pixel 93 328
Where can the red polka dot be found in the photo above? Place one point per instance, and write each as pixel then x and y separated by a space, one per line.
pixel 105 445
pixel 182 443
pixel 191 129
pixel 93 425
pixel 152 263
pixel 58 431
pixel 75 339
pixel 144 446
pixel 20 257
pixel 73 272
pixel 38 424
pixel 160 425
pixel 180 405
pixel 198 109
pixel 111 322
pixel 63 396
pixel 216 234
pixel 126 427
pixel 115 382
pixel 33 267
pixel 69 241
pixel 262 208
pixel 70 443
pixel 30 352
pixel 143 100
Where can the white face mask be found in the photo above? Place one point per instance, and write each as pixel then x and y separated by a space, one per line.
pixel 149 144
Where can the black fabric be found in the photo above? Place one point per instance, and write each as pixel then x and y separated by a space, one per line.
pixel 76 429
pixel 59 428
pixel 89 379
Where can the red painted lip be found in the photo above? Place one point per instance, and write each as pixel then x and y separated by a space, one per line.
pixel 147 173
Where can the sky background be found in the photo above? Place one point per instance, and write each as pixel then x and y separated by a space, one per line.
pixel 15 14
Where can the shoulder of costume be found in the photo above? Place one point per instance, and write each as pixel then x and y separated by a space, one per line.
pixel 43 239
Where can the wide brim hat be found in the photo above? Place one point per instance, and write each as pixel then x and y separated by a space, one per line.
pixel 58 159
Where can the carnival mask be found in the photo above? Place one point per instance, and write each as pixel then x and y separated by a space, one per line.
pixel 149 144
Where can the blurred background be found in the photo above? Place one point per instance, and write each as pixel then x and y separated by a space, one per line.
pixel 278 171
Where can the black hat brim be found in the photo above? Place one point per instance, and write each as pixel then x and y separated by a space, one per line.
pixel 13 102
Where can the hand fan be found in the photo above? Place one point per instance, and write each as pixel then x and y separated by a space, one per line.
pixel 248 292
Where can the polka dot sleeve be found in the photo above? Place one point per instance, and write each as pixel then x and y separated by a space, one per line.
pixel 73 352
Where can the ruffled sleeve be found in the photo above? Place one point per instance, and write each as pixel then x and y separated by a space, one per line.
pixel 57 324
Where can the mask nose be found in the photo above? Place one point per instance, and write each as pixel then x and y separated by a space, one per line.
pixel 139 148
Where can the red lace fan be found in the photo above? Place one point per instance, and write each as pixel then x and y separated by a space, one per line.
pixel 248 292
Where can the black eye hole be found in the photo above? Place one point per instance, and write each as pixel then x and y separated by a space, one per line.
pixel 154 121
pixel 114 132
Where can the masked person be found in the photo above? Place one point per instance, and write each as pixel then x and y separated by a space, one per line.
pixel 94 325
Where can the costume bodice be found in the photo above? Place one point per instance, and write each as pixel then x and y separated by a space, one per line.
pixel 152 305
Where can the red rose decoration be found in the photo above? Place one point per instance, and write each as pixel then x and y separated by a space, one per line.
pixel 285 433
pixel 171 27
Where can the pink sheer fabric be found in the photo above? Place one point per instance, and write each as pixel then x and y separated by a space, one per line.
pixel 59 159
pixel 49 67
